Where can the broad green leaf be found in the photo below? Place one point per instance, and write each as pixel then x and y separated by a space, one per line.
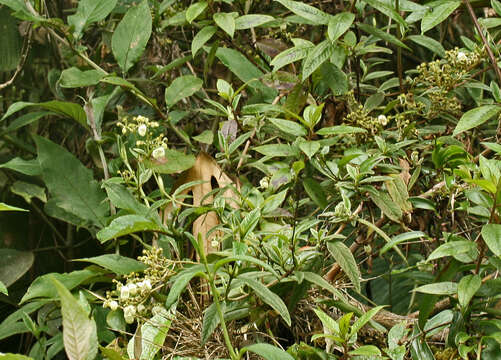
pixel 420 350
pixel 439 288
pixel 453 248
pixel 366 351
pixel 211 321
pixel 246 72
pixel 79 332
pixel 180 281
pixel 315 192
pixel 343 256
pixel 225 21
pixel 62 108
pixel 14 264
pixel 13 324
pixel 268 297
pixel 328 323
pixel 16 5
pixel 387 205
pixel 333 77
pixel 201 38
pixel 74 77
pixel 388 9
pixel 289 127
pixel 125 225
pixel 383 35
pixel 268 352
pixel 317 57
pixel 71 185
pixel 10 356
pixel 7 207
pixel 195 10
pixel 467 287
pixel 276 150
pixel 428 43
pixel 437 14
pixel 153 334
pixel 340 130
pixel 28 191
pixel 364 319
pixel 118 264
pixel 318 280
pixel 173 162
pixel 26 119
pixel 181 88
pixel 310 148
pixel 339 24
pixel 10 41
pixel 491 234
pixel 3 288
pixel 411 235
pixel 291 55
pixel 252 20
pixel 273 202
pixel 122 198
pixel 41 287
pixel 131 35
pixel 306 11
pixel 476 117
pixel 89 11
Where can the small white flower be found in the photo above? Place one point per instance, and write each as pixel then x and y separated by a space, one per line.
pixel 124 292
pixel 141 308
pixel 130 311
pixel 124 130
pixel 159 152
pixel 145 285
pixel 113 305
pixel 264 183
pixel 383 120
pixel 141 130
pixel 133 289
pixel 462 56
pixel 214 243
pixel 142 119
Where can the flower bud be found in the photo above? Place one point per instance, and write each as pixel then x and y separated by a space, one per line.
pixel 158 153
pixel 113 305
pixel 141 130
pixel 124 292
pixel 132 289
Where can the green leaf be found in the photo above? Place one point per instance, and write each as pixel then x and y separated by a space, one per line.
pixel 118 264
pixel 225 21
pixel 386 204
pixel 153 334
pixel 252 20
pixel 89 11
pixel 306 11
pixel 74 77
pixel 310 148
pixel 14 264
pixel 289 127
pixel 195 10
pixel 3 289
pixel 339 24
pixel 28 191
pixel 268 352
pixel 41 286
pixel 268 297
pixel 340 130
pixel 383 35
pixel 428 43
pixel 315 192
pixel 467 288
pixel 276 150
pixel 491 233
pixel 131 35
pixel 317 57
pixel 291 55
pixel 327 322
pixel 173 162
pixel 411 235
pixel 335 78
pixel 439 288
pixel 7 207
pixel 120 196
pixel 437 14
pixel 453 248
pixel 180 282
pixel 210 322
pixel 79 332
pixel 476 117
pixel 388 9
pixel 343 256
pixel 9 356
pixel 181 88
pixel 201 38
pixel 245 71
pixel 125 225
pixel 318 280
pixel 366 350
pixel 364 319
pixel 10 41
pixel 71 185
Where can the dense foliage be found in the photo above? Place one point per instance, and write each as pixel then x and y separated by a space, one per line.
pixel 250 179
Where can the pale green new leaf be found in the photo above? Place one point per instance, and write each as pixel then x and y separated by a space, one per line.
pixel 225 21
pixel 195 10
pixel 7 207
pixel 3 289
pixel 79 332
pixel 131 35
pixel 439 288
